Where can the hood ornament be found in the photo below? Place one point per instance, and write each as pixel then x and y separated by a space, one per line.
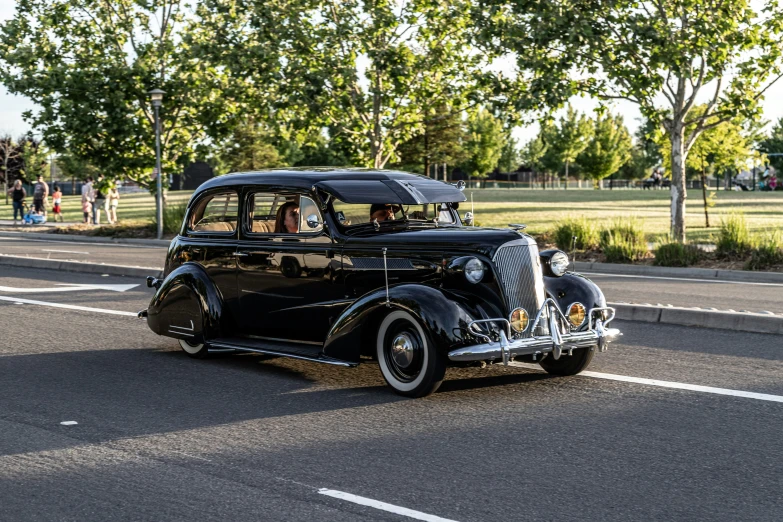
pixel 517 226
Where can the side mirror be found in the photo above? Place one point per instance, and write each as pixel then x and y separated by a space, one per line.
pixel 468 219
pixel 461 185
pixel 312 221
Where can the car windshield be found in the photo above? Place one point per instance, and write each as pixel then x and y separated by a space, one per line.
pixel 357 214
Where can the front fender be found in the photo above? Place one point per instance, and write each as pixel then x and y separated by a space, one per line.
pixel 353 334
pixel 571 288
pixel 188 305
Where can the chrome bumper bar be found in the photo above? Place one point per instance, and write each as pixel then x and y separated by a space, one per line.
pixel 596 336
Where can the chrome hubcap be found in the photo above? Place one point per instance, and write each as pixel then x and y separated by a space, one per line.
pixel 402 350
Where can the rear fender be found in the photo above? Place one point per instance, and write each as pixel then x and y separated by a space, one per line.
pixel 187 306
pixel 353 334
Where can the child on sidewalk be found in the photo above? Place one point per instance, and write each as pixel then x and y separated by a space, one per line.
pixel 87 209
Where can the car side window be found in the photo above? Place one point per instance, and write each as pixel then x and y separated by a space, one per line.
pixel 215 213
pixel 271 213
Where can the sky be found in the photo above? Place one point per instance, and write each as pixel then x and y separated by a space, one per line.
pixel 12 107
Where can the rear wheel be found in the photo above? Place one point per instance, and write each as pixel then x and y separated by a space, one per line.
pixel 408 361
pixel 568 364
pixel 195 350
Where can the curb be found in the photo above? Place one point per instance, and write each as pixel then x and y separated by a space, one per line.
pixel 76 266
pixel 89 239
pixel 673 272
pixel 736 321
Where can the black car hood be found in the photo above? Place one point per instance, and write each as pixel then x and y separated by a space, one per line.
pixel 444 239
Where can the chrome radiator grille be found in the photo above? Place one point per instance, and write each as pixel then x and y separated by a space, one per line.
pixel 519 268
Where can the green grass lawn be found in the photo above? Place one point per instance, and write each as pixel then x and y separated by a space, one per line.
pixel 134 209
pixel 540 209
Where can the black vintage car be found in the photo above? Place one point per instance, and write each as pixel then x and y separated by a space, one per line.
pixel 340 265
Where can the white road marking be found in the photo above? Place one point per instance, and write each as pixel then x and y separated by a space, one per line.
pixel 383 506
pixel 17 300
pixel 676 279
pixel 66 287
pixel 119 245
pixel 668 384
pixel 69 423
pixel 64 251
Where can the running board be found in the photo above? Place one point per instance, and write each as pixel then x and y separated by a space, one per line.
pixel 227 347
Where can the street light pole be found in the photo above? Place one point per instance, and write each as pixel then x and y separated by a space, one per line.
pixel 156 95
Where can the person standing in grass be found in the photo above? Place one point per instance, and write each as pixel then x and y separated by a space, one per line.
pixel 40 196
pixel 18 193
pixel 100 188
pixel 113 202
pixel 57 200
pixel 88 198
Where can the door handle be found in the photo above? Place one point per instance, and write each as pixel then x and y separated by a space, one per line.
pixel 241 254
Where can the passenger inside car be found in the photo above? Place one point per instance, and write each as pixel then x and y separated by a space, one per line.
pixel 383 212
pixel 287 221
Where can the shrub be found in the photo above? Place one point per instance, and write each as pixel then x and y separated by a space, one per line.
pixel 584 229
pixel 734 238
pixel 672 253
pixel 623 242
pixel 766 252
pixel 173 215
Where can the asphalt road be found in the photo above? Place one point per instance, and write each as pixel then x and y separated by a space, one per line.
pixel 120 254
pixel 160 436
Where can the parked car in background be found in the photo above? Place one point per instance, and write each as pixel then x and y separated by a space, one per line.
pixel 341 266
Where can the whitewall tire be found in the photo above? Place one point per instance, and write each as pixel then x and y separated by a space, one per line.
pixel 197 351
pixel 409 362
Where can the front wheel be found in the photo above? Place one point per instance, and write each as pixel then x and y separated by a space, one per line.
pixel 195 350
pixel 568 364
pixel 408 361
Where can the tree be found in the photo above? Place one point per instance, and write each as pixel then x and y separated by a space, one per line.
pixel 653 50
pixel 441 141
pixel 570 138
pixel 773 144
pixel 484 143
pixel 249 147
pixel 608 149
pixel 533 152
pixel 510 157
pixel 9 153
pixel 89 65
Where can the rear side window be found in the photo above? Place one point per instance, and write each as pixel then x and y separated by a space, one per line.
pixel 267 214
pixel 215 213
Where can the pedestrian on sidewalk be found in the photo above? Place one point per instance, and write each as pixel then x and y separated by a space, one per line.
pixel 87 198
pixel 18 193
pixel 114 202
pixel 40 196
pixel 57 200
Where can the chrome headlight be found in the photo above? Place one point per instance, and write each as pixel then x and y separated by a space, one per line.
pixel 474 270
pixel 558 263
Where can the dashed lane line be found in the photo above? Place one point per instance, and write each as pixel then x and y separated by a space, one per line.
pixel 17 300
pixel 668 384
pixel 383 506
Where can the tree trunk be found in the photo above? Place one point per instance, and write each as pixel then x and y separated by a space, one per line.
pixel 678 192
pixel 566 175
pixel 704 195
pixel 427 153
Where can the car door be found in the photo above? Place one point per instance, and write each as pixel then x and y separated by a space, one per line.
pixel 287 281
pixel 211 241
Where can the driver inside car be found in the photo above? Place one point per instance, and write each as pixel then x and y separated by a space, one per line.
pixel 383 212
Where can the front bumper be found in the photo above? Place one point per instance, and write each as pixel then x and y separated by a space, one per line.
pixel 597 335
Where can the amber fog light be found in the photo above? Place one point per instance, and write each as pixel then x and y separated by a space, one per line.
pixel 576 314
pixel 519 320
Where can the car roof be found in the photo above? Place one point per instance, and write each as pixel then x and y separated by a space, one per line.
pixel 348 184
